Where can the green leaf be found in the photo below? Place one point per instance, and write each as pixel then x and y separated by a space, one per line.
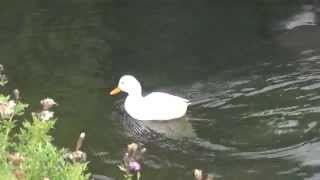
pixel 20 108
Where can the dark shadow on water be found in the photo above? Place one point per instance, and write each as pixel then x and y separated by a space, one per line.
pixel 175 135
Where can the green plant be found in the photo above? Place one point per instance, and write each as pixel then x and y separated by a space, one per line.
pixel 26 151
pixel 131 167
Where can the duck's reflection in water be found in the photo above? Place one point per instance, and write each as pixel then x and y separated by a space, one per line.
pixel 176 134
pixel 174 129
pixel 150 130
pixel 179 130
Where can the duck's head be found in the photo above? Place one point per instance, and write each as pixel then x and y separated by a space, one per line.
pixel 128 84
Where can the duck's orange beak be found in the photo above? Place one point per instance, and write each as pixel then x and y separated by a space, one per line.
pixel 115 91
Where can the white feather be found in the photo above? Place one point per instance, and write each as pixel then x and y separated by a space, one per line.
pixel 154 106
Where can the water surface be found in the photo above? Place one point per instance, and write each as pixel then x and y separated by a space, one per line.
pixel 252 68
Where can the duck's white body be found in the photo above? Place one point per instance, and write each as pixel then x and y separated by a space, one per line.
pixel 154 106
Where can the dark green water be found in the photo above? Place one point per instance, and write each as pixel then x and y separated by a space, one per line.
pixel 254 64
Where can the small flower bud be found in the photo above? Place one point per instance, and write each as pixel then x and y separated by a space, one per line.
pixel 1 68
pixel 132 150
pixel 77 156
pixel 82 135
pixel 133 147
pixel 16 159
pixel 16 94
pixel 3 78
pixel 197 174
pixel 45 115
pixel 20 175
pixel 47 103
pixel 7 109
pixel 80 141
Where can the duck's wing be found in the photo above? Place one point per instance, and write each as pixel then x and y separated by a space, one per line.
pixel 162 106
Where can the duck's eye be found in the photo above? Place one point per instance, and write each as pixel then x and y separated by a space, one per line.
pixel 122 83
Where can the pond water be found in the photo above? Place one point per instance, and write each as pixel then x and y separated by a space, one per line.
pixel 252 69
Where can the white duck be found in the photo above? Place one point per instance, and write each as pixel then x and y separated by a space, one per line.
pixel 154 106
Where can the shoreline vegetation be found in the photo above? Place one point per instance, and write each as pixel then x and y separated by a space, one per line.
pixel 27 152
pixel 26 149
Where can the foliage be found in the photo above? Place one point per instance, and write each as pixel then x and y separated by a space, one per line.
pixel 26 152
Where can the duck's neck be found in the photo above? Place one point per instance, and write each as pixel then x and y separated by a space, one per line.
pixel 133 99
pixel 136 95
pixel 136 91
